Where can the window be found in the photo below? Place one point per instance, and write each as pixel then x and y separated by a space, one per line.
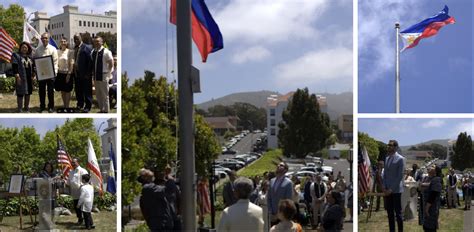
pixel 62 24
pixel 88 23
pixel 100 24
pixel 111 25
pixel 272 122
pixel 80 23
pixel 272 131
pixel 272 112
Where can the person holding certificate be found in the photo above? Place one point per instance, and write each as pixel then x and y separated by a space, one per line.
pixel 43 50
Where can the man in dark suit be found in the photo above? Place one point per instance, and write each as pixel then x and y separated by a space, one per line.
pixel 82 74
pixel 228 191
pixel 280 188
pixel 393 185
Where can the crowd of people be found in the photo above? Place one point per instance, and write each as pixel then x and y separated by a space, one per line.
pixel 264 203
pixel 81 68
pixel 392 178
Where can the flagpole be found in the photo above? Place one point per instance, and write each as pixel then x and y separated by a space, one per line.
pixel 397 69
pixel 186 123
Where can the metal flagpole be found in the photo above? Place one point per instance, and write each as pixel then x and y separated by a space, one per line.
pixel 397 70
pixel 186 124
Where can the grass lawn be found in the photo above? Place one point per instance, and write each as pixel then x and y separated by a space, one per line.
pixel 8 103
pixel 449 220
pixel 104 221
pixel 266 163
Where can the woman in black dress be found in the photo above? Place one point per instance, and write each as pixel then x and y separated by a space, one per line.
pixel 432 199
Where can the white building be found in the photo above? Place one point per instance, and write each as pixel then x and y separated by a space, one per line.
pixel 110 137
pixel 275 107
pixel 71 21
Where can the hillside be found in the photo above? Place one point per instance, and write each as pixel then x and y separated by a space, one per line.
pixel 442 142
pixel 337 103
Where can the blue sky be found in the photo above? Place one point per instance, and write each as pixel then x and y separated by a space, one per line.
pixel 56 6
pixel 43 125
pixel 268 45
pixel 436 76
pixel 410 131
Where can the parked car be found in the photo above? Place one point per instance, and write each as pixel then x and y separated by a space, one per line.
pixel 234 161
pixel 229 152
pixel 327 170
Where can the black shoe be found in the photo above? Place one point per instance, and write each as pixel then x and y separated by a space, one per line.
pixel 41 110
pixel 50 110
pixel 80 222
pixel 86 110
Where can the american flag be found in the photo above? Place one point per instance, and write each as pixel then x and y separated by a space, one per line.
pixel 64 160
pixel 7 43
pixel 364 170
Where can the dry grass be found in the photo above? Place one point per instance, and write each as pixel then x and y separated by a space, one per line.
pixel 8 103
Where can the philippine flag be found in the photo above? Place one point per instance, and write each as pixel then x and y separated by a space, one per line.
pixel 205 32
pixel 426 28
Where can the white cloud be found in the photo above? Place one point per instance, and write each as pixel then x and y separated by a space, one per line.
pixel 463 127
pixel 376 28
pixel 316 66
pixel 269 20
pixel 433 123
pixel 256 53
pixel 140 11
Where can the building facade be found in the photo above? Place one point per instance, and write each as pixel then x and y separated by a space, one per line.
pixel 275 107
pixel 71 21
pixel 345 125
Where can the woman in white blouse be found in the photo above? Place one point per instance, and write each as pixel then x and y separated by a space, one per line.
pixel 64 82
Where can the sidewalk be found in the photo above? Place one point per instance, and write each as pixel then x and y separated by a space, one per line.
pixel 469 220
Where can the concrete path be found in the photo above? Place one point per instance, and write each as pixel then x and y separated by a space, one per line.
pixel 469 220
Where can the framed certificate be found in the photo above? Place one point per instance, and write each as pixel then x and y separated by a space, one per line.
pixel 16 183
pixel 44 68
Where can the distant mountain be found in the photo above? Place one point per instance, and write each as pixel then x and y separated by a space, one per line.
pixel 258 99
pixel 442 142
pixel 337 103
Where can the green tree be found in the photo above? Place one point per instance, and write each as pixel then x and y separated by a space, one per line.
pixel 206 145
pixel 12 19
pixel 149 124
pixel 370 144
pixel 304 128
pixel 73 134
pixel 463 152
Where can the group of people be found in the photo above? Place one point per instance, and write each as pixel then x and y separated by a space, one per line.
pixel 159 202
pixel 81 68
pixel 80 189
pixel 268 203
pixel 272 203
pixel 391 178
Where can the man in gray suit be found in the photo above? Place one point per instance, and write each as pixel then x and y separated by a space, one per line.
pixel 393 185
pixel 280 188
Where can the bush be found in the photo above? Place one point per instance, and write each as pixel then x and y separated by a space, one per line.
pixel 7 85
pixel 106 201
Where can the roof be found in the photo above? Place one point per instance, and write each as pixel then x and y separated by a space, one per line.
pixel 219 122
